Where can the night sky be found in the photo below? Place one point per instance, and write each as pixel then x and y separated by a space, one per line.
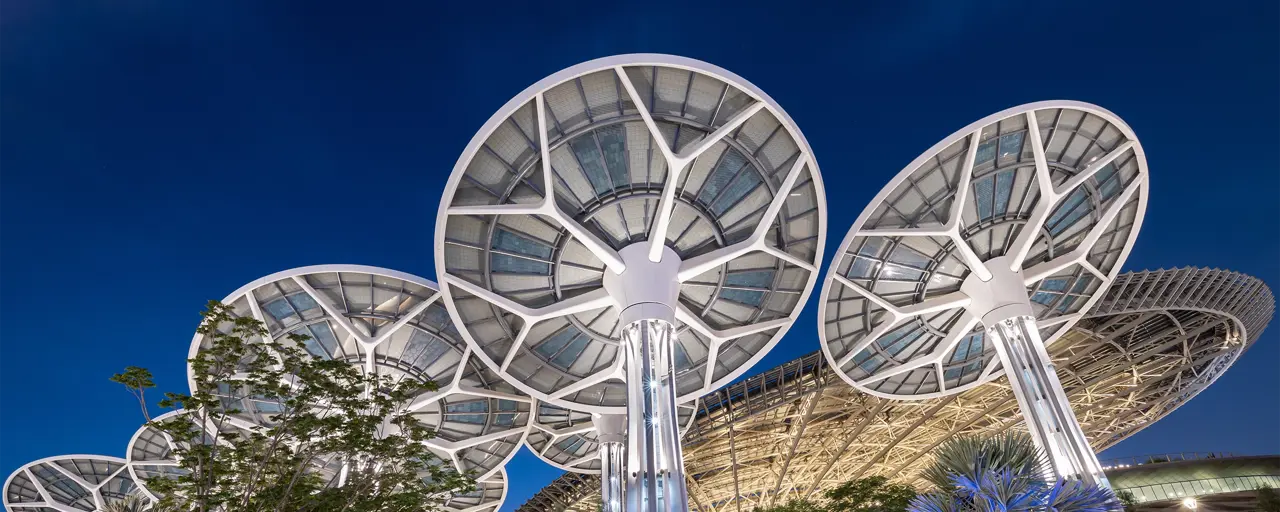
pixel 154 155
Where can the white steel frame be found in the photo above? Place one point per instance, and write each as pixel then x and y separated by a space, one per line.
pixel 369 344
pixel 46 497
pixel 614 261
pixel 646 302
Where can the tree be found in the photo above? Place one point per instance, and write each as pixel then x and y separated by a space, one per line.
pixel 324 414
pixel 1128 500
pixel 1003 473
pixel 1268 500
pixel 871 494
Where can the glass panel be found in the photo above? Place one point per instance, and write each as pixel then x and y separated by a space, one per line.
pixel 748 297
pixel 1010 144
pixel 570 354
pixel 752 278
pixel 743 185
pixel 984 191
pixel 613 142
pixel 507 241
pixel 584 147
pixel 728 167
pixel 986 152
pixel 303 301
pixel 516 265
pixel 1004 188
pixel 557 341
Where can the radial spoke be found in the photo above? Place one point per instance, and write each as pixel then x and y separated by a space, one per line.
pixel 489 393
pixel 676 165
pixel 544 151
pixel 497 209
pixel 593 379
pixel 589 240
pixel 405 319
pixel 871 337
pixel 337 316
pixel 779 199
pixel 455 446
pixel 1092 169
pixel 694 267
pixel 1045 269
pixel 595 299
pixel 1113 210
pixel 644 114
pixel 1048 198
pixel 787 257
pixel 697 148
pixel 911 231
pixel 718 336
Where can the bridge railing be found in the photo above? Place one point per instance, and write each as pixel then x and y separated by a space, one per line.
pixel 1138 460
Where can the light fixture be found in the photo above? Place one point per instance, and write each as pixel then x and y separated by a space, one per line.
pixel 1190 503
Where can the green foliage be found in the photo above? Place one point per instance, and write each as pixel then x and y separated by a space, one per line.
pixel 137 380
pixel 1005 473
pixel 872 494
pixel 330 414
pixel 794 506
pixel 1268 499
pixel 1127 499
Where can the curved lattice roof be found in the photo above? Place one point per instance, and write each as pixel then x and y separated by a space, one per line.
pixel 635 149
pixel 1153 341
pixel 393 324
pixel 68 483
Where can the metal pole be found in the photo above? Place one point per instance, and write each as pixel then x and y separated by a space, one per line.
pixel 612 430
pixel 1044 405
pixel 655 468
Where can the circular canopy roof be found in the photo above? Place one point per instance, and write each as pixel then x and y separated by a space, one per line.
pixel 68 483
pixel 391 323
pixel 569 440
pixel 1053 190
pixel 523 274
pixel 488 495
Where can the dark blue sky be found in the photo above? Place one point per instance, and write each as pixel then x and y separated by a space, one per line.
pixel 157 154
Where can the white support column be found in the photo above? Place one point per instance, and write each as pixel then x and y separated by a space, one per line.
pixel 647 294
pixel 1044 405
pixel 1010 323
pixel 612 430
pixel 655 463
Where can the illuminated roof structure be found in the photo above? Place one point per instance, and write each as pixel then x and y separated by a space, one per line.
pixel 744 216
pixel 68 483
pixel 568 440
pixel 391 323
pixel 1153 341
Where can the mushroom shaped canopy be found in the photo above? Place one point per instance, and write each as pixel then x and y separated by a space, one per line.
pixel 639 157
pixel 1049 195
pixel 68 483
pixel 392 324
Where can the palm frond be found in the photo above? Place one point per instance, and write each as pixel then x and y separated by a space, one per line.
pixel 1075 496
pixel 936 501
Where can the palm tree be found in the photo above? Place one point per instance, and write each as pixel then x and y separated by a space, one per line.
pixel 130 503
pixel 1003 473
